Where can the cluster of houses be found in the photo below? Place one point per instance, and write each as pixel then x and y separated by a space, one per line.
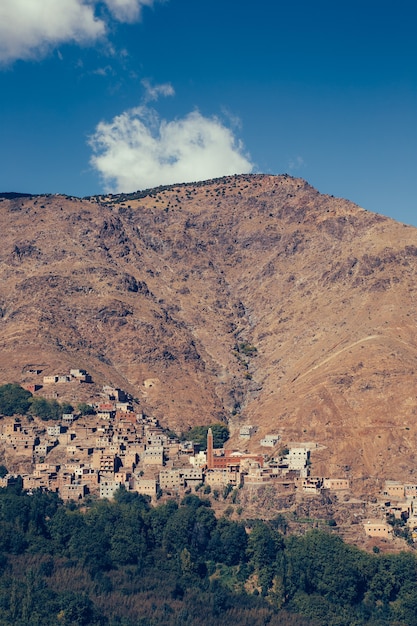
pixel 96 454
pixel 118 446
pixel 398 502
pixel 79 375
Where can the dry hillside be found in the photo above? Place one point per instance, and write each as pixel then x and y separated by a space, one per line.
pixel 252 299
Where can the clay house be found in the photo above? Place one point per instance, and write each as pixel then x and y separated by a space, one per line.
pixel 115 394
pixel 54 431
pixel 298 458
pixel 199 459
pixel 412 515
pixel 270 441
pixel 124 407
pixel 32 387
pixel 376 528
pixel 410 491
pixel 51 379
pixel 256 475
pixel 170 479
pixel 76 373
pixel 153 455
pixel 10 428
pixel 145 486
pixel 31 482
pixel 63 378
pixel 108 488
pixel 106 411
pixel 229 475
pixel 33 370
pixel 123 475
pixel 103 441
pixel 129 459
pixel 80 375
pixel 308 484
pixel 8 480
pixel 43 448
pixel 73 491
pixel 191 476
pixel 394 489
pixel 42 469
pixel 127 419
pixel 336 484
pixel 73 451
pixel 21 441
pixel 246 432
pixel 105 463
pixel 67 419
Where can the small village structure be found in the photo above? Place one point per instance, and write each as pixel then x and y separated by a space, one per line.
pixel 118 446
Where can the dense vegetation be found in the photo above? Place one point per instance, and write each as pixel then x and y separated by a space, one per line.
pixel 198 434
pixel 14 400
pixel 124 563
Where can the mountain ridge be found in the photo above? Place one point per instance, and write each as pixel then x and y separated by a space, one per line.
pixel 250 299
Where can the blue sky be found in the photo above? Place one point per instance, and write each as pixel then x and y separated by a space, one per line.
pixel 122 95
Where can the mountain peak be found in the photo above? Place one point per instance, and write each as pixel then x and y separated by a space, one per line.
pixel 250 299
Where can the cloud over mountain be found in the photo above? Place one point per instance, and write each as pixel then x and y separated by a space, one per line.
pixel 138 150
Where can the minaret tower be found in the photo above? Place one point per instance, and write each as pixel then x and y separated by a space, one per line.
pixel 209 449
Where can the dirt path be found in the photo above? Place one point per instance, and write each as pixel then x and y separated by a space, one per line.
pixel 335 354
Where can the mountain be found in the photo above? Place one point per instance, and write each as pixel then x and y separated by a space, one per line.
pixel 252 299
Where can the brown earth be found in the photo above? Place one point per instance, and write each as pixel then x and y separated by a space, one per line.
pixel 253 299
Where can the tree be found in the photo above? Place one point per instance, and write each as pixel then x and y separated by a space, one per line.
pixel 85 409
pixel 77 610
pixel 263 545
pixel 66 407
pixel 228 542
pixel 46 409
pixel 14 400
pixel 312 563
pixel 198 434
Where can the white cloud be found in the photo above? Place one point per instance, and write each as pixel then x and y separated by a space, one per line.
pixel 152 92
pixel 296 164
pixel 138 150
pixel 30 28
pixel 127 10
pixel 104 71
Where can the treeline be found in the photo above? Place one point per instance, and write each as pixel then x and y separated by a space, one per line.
pixel 125 563
pixel 14 400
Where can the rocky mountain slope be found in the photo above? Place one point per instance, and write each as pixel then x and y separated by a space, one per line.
pixel 252 299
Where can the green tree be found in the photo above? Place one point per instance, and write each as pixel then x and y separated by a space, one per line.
pixel 77 610
pixel 198 434
pixel 85 409
pixel 263 545
pixel 46 409
pixel 14 400
pixel 228 542
pixel 312 563
pixel 66 407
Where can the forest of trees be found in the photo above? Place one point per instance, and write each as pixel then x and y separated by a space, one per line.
pixel 125 563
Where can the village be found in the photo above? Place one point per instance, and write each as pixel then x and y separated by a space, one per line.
pixel 117 446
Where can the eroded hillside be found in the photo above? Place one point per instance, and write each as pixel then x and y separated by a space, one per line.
pixel 252 299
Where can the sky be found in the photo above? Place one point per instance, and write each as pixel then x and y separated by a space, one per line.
pixel 120 95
